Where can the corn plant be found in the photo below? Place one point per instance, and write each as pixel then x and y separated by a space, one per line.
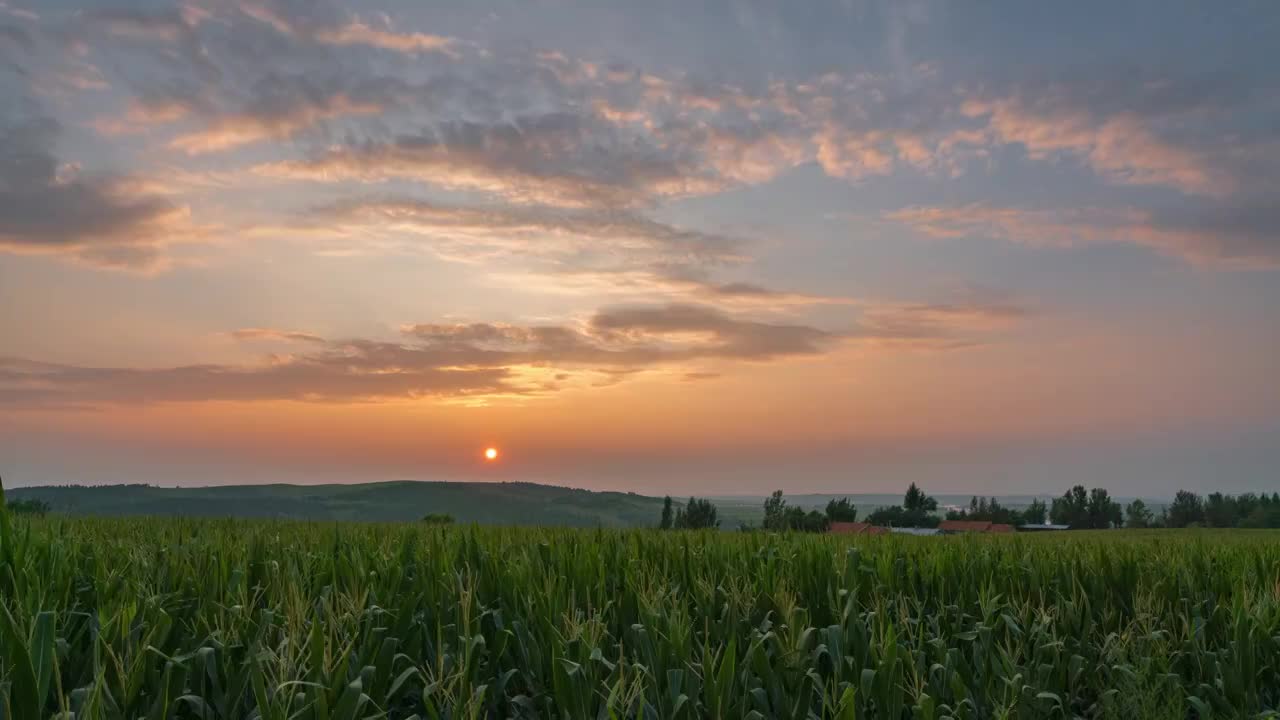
pixel 162 618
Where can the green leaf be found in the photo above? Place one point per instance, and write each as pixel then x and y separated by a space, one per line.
pixel 24 688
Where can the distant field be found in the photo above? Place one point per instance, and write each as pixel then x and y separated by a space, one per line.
pixel 192 618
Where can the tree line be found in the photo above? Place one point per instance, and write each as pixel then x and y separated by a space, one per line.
pixel 1249 510
pixel 1077 509
pixel 697 514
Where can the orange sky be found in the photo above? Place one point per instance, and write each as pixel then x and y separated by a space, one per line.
pixel 638 247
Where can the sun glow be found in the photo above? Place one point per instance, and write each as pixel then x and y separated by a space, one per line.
pixel 491 454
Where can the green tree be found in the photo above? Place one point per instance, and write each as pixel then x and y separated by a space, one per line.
pixel 1103 511
pixel 1220 511
pixel 1137 515
pixel 841 510
pixel 437 519
pixel 916 511
pixel 1072 509
pixel 1035 513
pixel 697 514
pixel 775 512
pixel 29 507
pixel 667 516
pixel 781 517
pixel 1262 516
pixel 916 501
pixel 986 509
pixel 1186 508
pixel 814 522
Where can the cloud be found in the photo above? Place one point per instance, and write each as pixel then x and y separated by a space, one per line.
pixel 321 22
pixel 474 233
pixel 141 115
pixel 658 282
pixel 165 25
pixel 278 123
pixel 437 360
pixel 355 373
pixel 99 220
pixel 1231 235
pixel 630 337
pixel 449 361
pixel 557 158
pixel 359 33
pixel 584 252
pixel 1121 148
pixel 272 334
pixel 549 133
pixel 965 322
pixel 726 336
pixel 276 107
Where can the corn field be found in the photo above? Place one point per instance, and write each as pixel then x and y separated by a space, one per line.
pixel 179 618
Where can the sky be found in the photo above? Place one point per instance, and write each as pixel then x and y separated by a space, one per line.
pixel 698 248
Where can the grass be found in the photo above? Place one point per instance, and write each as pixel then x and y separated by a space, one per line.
pixel 189 618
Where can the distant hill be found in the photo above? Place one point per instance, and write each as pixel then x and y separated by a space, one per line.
pixel 487 503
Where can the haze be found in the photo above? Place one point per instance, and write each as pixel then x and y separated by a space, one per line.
pixel 713 248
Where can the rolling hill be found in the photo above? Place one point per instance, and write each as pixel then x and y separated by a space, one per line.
pixel 487 503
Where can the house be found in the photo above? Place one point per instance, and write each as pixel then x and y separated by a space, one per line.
pixel 1042 528
pixel 977 526
pixel 914 531
pixel 856 528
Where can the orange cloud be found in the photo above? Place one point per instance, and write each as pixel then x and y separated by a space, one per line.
pixel 1232 237
pixel 358 33
pixel 1121 148
pixel 140 116
pixel 236 130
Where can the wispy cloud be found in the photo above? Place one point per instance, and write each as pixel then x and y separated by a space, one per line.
pixel 437 360
pixel 475 233
pixel 445 360
pixel 1121 148
pixel 273 334
pixel 360 33
pixel 1228 236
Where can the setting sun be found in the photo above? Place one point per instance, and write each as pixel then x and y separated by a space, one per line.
pixel 491 454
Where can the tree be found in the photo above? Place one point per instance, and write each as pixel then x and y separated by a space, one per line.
pixel 698 514
pixel 1081 510
pixel 667 516
pixel 1137 515
pixel 1103 511
pixel 841 510
pixel 916 511
pixel 775 510
pixel 437 519
pixel 1072 509
pixel 893 516
pixel 1263 516
pixel 916 501
pixel 781 517
pixel 29 507
pixel 1220 510
pixel 1185 509
pixel 986 509
pixel 813 521
pixel 1035 513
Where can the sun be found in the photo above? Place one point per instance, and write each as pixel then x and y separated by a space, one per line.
pixel 491 454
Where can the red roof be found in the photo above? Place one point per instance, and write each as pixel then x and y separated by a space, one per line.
pixel 857 528
pixel 982 526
